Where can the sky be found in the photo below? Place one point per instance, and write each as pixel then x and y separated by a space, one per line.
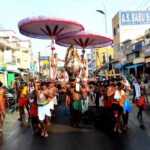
pixel 82 11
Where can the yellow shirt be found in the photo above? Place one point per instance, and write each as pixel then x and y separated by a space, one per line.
pixel 25 91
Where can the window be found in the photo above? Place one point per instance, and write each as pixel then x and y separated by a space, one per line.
pixel 133 47
pixel 6 38
pixel 114 31
pixel 118 28
pixel 18 60
pixel 138 47
pixel 137 54
pixel 143 44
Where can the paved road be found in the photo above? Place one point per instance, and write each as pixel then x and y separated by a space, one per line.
pixel 64 137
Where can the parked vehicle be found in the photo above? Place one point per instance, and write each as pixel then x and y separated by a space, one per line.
pixel 11 100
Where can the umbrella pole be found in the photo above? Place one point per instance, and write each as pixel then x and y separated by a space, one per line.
pixel 52 46
pixel 83 53
pixel 53 68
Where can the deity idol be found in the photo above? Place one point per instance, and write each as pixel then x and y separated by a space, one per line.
pixel 53 66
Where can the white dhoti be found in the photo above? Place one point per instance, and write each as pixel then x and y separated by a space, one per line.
pixel 85 104
pixel 43 111
pixel 51 105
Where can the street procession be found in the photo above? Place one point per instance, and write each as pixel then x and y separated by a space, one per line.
pixel 88 90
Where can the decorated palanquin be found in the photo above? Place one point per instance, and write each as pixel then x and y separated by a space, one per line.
pixel 75 65
pixel 72 61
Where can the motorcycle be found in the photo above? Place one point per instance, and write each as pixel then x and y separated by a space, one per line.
pixel 11 100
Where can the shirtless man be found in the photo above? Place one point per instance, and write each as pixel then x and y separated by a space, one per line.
pixel 2 106
pixel 52 98
pixel 75 106
pixel 85 89
pixel 43 107
pixel 84 96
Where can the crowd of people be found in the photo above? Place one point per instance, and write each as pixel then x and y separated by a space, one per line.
pixel 38 100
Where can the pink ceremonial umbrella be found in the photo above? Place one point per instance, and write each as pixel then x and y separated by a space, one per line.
pixel 84 41
pixel 48 28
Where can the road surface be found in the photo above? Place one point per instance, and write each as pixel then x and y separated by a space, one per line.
pixel 64 137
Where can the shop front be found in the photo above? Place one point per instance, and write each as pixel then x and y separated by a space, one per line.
pixel 2 75
pixel 147 65
pixel 147 61
pixel 135 69
pixel 12 72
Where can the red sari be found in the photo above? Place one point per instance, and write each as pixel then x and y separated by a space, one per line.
pixel 110 96
pixel 2 100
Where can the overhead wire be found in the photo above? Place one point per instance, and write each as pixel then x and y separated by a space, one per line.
pixel 148 5
pixel 143 4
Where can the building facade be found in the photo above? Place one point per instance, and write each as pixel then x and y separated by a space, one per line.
pixel 128 25
pixel 44 67
pixel 15 54
pixel 137 53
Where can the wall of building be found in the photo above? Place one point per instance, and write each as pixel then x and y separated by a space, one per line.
pixel 25 58
pixel 116 29
pixel 14 53
pixel 1 56
pixel 132 31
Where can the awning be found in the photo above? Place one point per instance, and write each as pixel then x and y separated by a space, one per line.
pixel 134 66
pixel 14 71
pixel 118 66
pixel 13 68
pixel 2 69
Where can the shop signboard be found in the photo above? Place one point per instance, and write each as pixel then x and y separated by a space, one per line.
pixel 135 17
pixel 44 57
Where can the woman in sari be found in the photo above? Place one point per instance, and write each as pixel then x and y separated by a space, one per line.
pixel 2 106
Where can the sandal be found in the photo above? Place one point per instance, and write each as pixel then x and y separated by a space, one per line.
pixel 46 135
pixel 119 131
pixel 42 134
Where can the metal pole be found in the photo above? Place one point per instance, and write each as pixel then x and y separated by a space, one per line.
pixel 105 23
pixel 105 17
pixel 49 66
pixel 39 63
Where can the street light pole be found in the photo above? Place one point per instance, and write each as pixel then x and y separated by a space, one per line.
pixel 105 15
pixel 39 61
